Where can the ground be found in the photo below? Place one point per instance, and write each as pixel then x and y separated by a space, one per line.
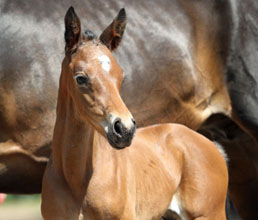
pixel 21 208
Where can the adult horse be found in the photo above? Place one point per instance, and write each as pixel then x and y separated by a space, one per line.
pixel 184 61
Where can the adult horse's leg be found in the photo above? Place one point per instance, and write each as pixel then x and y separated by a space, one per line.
pixel 242 75
pixel 20 170
pixel 243 182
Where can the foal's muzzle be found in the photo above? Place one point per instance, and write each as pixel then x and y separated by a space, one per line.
pixel 119 136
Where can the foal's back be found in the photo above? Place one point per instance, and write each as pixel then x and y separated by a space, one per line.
pixel 171 159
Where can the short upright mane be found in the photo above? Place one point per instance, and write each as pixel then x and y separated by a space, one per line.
pixel 89 35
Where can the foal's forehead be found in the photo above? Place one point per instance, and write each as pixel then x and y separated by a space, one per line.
pixel 91 54
pixel 91 51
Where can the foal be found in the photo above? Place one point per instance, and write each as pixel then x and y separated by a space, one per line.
pixel 98 170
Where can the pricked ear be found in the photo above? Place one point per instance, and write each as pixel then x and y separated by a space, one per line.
pixel 113 34
pixel 72 29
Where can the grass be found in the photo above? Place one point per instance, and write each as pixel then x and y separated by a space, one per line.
pixel 21 207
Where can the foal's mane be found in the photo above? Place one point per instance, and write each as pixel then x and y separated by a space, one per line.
pixel 88 35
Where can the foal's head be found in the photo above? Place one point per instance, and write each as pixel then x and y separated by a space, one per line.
pixel 93 79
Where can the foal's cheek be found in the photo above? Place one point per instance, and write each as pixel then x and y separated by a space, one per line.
pixel 97 110
pixel 89 100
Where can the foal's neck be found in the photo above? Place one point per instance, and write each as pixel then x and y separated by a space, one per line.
pixel 73 147
pixel 77 146
pixel 72 152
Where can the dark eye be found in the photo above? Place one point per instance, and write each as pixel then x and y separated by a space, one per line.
pixel 81 79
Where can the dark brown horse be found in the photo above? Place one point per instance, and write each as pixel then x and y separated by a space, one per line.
pixel 184 61
pixel 101 167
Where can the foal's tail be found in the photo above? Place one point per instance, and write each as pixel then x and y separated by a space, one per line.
pixel 222 151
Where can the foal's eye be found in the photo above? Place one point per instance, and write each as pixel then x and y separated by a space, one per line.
pixel 81 79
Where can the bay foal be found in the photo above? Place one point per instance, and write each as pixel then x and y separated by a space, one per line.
pixel 98 169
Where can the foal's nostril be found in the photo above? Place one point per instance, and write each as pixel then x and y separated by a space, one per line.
pixel 117 128
pixel 119 136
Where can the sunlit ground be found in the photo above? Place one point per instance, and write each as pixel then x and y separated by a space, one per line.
pixel 17 207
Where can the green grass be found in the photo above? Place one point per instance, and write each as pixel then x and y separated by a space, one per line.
pixel 21 207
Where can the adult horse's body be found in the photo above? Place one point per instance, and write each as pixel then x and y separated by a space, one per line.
pixel 184 61
pixel 93 173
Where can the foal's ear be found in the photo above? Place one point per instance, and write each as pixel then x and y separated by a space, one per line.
pixel 72 30
pixel 113 34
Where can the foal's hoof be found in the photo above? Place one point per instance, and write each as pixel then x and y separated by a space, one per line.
pixel 170 215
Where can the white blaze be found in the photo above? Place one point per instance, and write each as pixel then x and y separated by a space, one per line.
pixel 105 62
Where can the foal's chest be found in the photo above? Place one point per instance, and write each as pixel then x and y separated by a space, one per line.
pixel 108 201
pixel 126 198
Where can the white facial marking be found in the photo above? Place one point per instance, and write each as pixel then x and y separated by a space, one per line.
pixel 105 62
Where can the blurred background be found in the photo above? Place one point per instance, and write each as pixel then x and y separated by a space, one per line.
pixel 20 207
